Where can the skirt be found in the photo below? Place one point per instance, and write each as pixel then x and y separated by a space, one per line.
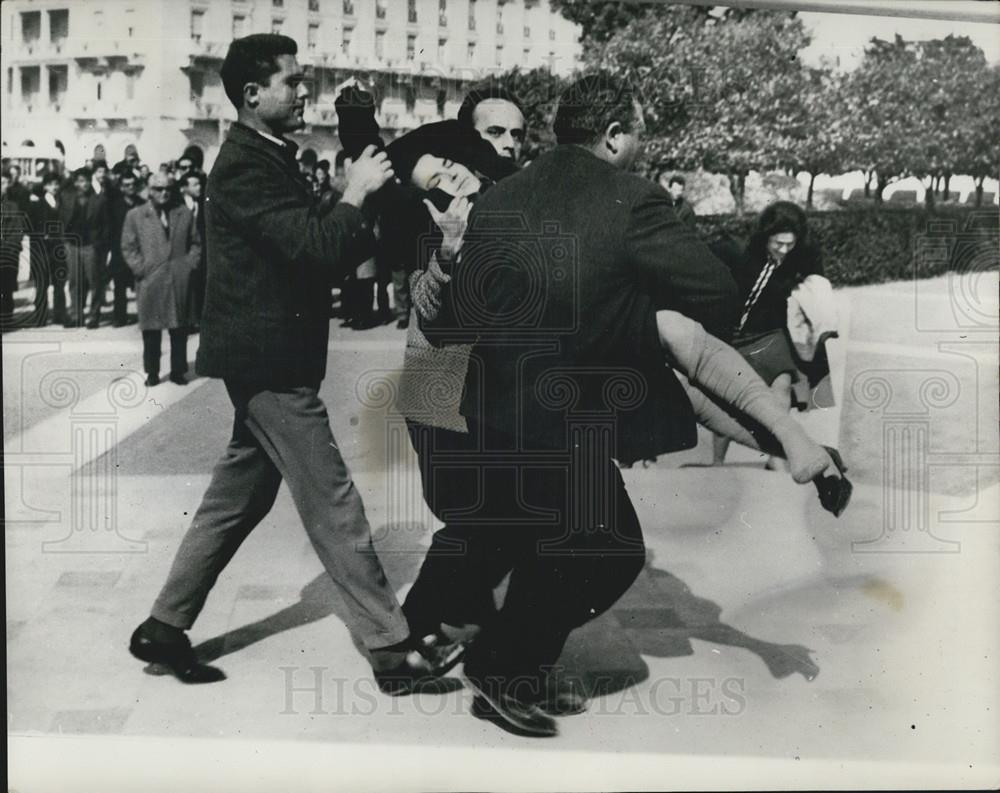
pixel 771 354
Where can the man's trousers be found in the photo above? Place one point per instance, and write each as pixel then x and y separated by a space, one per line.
pixel 465 561
pixel 562 524
pixel 76 278
pixel 284 435
pixel 94 259
pixel 151 351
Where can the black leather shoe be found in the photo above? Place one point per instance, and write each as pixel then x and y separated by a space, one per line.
pixel 152 379
pixel 562 698
pixel 179 379
pixel 403 323
pixel 433 657
pixel 512 714
pixel 834 493
pixel 174 657
pixel 93 324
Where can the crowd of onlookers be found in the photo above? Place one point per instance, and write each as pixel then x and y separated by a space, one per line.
pixel 73 222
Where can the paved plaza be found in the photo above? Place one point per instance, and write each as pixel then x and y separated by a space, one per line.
pixel 764 636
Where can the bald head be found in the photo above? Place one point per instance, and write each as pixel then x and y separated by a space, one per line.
pixel 159 189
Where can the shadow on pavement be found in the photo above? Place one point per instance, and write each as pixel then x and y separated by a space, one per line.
pixel 606 655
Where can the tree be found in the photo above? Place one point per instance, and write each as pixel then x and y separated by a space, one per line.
pixel 721 94
pixel 822 134
pixel 882 100
pixel 913 109
pixel 600 20
pixel 947 72
pixel 979 156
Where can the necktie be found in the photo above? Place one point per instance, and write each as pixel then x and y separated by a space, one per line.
pixel 165 222
pixel 758 287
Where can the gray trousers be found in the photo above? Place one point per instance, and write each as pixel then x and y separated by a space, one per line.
pixel 284 435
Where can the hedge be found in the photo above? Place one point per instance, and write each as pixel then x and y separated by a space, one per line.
pixel 864 245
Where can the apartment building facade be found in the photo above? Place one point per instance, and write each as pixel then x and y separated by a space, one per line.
pixel 114 72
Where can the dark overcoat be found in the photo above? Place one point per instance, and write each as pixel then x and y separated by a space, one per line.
pixel 563 268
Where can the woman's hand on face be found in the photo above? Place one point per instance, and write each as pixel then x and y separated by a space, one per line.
pixel 452 222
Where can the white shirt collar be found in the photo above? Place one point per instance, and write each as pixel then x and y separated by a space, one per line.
pixel 270 137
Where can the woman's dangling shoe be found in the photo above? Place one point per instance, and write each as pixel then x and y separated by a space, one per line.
pixel 834 492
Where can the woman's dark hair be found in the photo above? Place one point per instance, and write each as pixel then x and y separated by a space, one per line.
pixel 779 218
pixel 253 59
pixel 452 141
pixel 592 104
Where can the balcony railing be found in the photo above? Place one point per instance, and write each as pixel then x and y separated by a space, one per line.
pixel 37 48
pixel 101 48
pixel 99 108
pixel 209 49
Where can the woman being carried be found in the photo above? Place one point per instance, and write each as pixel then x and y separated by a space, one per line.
pixel 442 169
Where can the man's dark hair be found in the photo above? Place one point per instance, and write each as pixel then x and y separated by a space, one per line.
pixel 253 59
pixel 101 164
pixel 324 165
pixel 196 154
pixel 84 172
pixel 49 177
pixel 480 94
pixel 309 157
pixel 192 175
pixel 677 179
pixel 126 175
pixel 590 105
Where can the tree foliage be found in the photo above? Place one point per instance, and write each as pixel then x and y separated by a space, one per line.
pixel 720 94
pixel 598 21
pixel 724 90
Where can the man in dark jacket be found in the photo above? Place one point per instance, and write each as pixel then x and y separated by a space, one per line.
pixel 51 216
pixel 13 225
pixel 272 256
pixel 563 269
pixel 675 185
pixel 91 234
pixel 121 201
